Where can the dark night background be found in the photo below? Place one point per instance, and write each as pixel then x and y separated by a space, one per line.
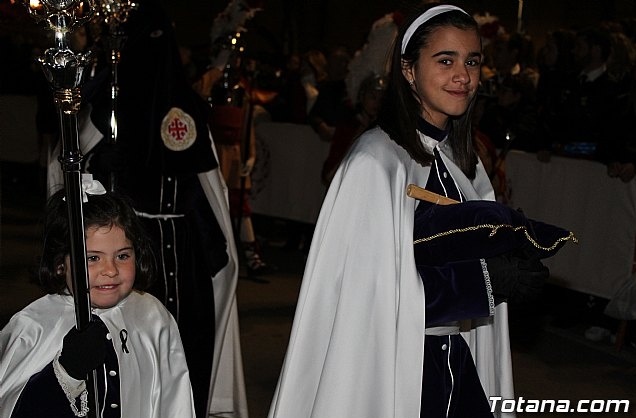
pixel 557 362
pixel 296 25
pixel 303 24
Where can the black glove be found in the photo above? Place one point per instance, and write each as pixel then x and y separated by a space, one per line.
pixel 84 351
pixel 517 276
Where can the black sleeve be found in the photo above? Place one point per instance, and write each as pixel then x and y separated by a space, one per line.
pixel 43 397
pixel 456 291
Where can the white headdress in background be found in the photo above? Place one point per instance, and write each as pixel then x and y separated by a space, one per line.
pixel 374 56
pixel 232 19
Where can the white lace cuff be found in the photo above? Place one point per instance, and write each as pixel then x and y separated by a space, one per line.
pixel 72 388
pixel 491 298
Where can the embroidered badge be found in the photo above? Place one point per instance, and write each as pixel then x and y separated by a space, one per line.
pixel 178 130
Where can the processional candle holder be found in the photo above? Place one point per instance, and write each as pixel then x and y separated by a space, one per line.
pixel 114 13
pixel 64 71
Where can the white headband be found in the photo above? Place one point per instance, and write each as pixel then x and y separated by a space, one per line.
pixel 427 15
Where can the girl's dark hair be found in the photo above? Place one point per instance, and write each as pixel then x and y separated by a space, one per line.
pixel 400 109
pixel 107 210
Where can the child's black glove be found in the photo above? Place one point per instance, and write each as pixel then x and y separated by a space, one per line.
pixel 84 351
pixel 517 276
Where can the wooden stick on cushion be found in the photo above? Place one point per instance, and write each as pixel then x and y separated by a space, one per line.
pixel 417 192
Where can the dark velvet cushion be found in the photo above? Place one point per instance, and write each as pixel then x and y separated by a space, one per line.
pixel 479 229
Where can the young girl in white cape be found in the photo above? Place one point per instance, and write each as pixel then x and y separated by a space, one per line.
pixel 132 342
pixel 375 334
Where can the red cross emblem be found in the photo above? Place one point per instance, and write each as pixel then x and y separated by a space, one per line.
pixel 177 129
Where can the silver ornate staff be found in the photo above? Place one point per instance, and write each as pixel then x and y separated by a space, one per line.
pixel 114 13
pixel 64 70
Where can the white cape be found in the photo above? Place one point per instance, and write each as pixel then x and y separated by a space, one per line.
pixel 357 343
pixel 227 384
pixel 157 382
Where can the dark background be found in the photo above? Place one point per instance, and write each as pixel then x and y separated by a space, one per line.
pixel 284 26
pixel 297 25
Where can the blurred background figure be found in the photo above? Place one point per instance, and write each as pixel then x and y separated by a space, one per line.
pixel 510 54
pixel 313 72
pixel 593 114
pixel 235 138
pixel 332 106
pixel 510 119
pixel 367 106
pixel 556 65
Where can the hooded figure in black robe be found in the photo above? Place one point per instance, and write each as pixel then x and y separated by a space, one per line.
pixel 162 143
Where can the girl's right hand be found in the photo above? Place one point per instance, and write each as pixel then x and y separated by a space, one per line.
pixel 84 351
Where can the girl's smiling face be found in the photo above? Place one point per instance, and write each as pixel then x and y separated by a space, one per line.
pixel 446 75
pixel 111 265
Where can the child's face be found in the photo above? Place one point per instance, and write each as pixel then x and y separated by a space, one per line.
pixel 111 265
pixel 446 75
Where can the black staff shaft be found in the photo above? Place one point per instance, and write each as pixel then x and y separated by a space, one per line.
pixel 64 71
pixel 70 159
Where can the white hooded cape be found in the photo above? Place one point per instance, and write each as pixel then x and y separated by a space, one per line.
pixel 154 376
pixel 357 343
pixel 227 383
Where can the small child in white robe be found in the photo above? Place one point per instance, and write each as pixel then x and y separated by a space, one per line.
pixel 132 343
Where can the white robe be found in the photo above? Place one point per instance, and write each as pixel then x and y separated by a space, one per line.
pixel 357 343
pixel 155 382
pixel 227 383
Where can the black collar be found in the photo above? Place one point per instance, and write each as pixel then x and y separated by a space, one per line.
pixel 431 130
